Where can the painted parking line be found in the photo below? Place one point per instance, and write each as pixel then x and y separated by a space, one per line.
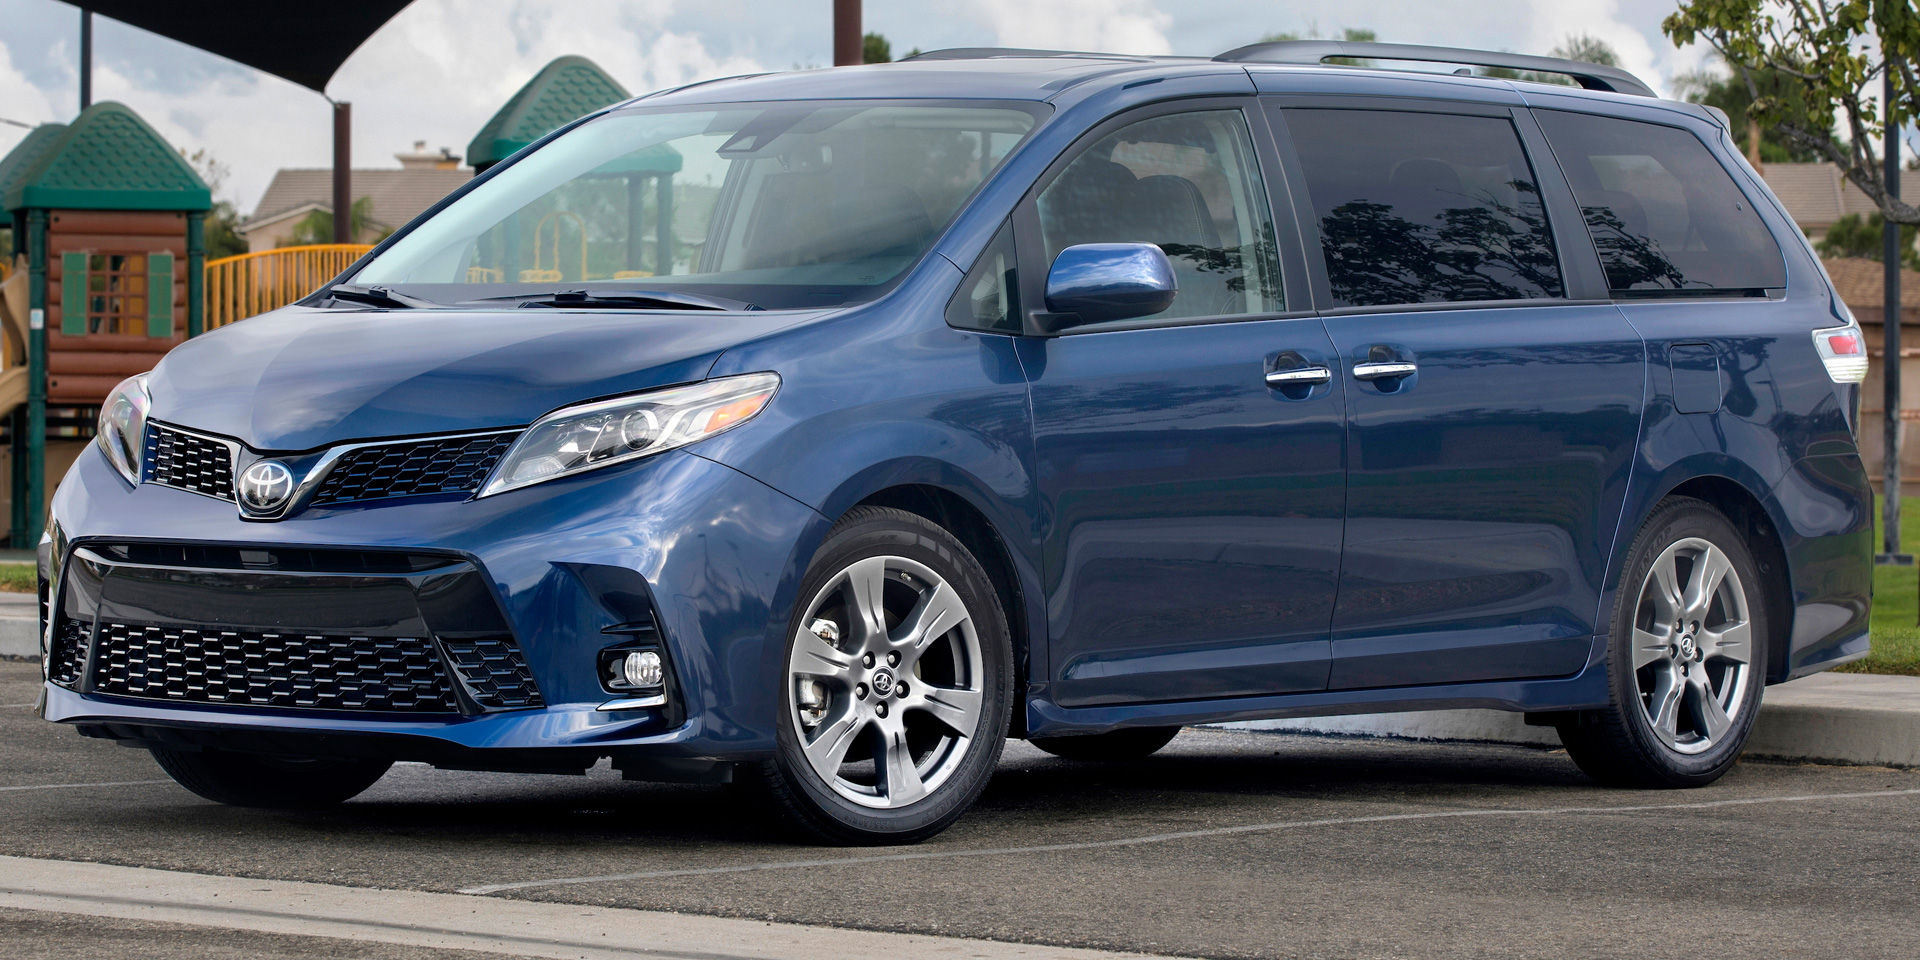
pixel 77 786
pixel 1180 835
pixel 13 706
pixel 522 928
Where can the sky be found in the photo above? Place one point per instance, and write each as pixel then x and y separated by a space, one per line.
pixel 440 68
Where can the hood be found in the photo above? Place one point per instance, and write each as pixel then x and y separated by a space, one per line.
pixel 299 378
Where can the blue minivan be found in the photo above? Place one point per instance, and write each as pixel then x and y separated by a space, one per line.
pixel 818 432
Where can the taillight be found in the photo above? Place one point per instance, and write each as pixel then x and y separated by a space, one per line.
pixel 1844 351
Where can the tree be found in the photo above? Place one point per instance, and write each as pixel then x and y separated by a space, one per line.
pixel 874 48
pixel 1851 236
pixel 222 236
pixel 317 225
pixel 1587 48
pixel 1832 57
pixel 1732 94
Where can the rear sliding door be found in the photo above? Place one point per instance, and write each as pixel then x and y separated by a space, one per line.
pixel 1493 396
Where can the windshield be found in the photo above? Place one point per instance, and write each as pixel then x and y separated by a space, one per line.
pixel 777 205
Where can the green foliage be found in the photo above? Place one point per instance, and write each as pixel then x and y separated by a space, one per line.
pixel 1350 34
pixel 1587 48
pixel 317 225
pixel 1831 57
pixel 874 48
pixel 1735 94
pixel 18 578
pixel 1851 236
pixel 223 237
pixel 1896 594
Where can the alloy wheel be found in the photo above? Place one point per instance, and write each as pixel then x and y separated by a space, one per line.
pixel 1692 646
pixel 886 682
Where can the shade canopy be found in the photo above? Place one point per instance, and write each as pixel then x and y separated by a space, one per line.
pixel 301 42
pixel 566 89
pixel 106 159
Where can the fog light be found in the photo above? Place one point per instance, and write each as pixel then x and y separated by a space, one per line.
pixel 643 668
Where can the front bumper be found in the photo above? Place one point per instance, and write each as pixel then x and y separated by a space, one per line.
pixel 710 552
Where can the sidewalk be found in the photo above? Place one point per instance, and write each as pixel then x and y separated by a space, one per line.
pixel 1825 718
pixel 19 625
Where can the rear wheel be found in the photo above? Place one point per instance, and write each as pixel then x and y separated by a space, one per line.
pixel 257 780
pixel 1685 665
pixel 1131 743
pixel 896 692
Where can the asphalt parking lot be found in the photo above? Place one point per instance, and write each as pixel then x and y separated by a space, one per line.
pixel 1225 845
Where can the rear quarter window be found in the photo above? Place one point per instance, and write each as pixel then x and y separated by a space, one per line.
pixel 1664 215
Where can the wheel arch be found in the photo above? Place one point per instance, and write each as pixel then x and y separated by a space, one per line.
pixel 1749 515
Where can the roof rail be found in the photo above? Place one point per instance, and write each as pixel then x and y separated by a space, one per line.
pixel 992 53
pixel 1592 76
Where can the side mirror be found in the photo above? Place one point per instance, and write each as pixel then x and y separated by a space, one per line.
pixel 1097 282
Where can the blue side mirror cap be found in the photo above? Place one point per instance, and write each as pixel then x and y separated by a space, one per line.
pixel 1110 281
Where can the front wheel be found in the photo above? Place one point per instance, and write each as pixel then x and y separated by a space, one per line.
pixel 895 697
pixel 1684 668
pixel 257 780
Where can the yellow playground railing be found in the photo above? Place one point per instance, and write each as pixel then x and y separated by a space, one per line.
pixel 251 283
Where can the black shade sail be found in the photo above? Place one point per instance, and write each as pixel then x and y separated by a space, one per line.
pixel 301 42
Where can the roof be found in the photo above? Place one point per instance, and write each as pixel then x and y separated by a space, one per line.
pixel 26 153
pixel 108 159
pixel 1861 284
pixel 564 90
pixel 398 195
pixel 1816 194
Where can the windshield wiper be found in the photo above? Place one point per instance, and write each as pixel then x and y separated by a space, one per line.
pixel 375 296
pixel 634 300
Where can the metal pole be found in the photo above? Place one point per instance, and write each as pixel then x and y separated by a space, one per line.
pixel 29 534
pixel 342 172
pixel 1890 323
pixel 196 273
pixel 846 33
pixel 86 59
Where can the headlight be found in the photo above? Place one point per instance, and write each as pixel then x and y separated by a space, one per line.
pixel 123 426
pixel 594 435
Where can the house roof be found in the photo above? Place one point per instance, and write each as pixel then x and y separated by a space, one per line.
pixel 107 159
pixel 1816 195
pixel 398 195
pixel 566 89
pixel 1860 282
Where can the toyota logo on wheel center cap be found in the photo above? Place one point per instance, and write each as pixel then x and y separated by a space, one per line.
pixel 266 486
pixel 883 683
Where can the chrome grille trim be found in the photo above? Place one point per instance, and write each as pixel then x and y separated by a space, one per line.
pixel 185 460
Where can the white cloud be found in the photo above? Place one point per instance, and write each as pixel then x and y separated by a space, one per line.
pixel 20 101
pixel 1121 26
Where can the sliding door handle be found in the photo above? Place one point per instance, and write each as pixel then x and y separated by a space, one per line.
pixel 1299 377
pixel 1383 371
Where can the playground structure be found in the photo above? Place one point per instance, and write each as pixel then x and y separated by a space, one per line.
pixel 252 283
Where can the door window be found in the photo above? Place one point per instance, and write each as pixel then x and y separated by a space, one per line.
pixel 1664 215
pixel 1189 184
pixel 1424 207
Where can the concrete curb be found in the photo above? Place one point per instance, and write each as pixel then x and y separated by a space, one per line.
pixel 19 638
pixel 1826 718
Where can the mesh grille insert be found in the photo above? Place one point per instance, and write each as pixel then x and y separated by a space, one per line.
pixel 243 668
pixel 182 460
pixel 454 465
pixel 69 653
pixel 496 675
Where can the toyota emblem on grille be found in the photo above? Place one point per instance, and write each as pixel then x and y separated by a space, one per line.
pixel 266 486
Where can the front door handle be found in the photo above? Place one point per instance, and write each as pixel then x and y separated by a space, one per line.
pixel 1299 377
pixel 1383 371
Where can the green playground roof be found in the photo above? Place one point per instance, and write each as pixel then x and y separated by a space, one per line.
pixel 107 159
pixel 26 153
pixel 564 90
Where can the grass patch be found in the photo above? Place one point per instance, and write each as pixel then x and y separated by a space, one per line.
pixel 17 578
pixel 1896 603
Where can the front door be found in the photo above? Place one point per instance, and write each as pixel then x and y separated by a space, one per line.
pixel 1490 419
pixel 1194 506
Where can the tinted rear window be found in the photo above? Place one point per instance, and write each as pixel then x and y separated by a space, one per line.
pixel 1424 207
pixel 1663 213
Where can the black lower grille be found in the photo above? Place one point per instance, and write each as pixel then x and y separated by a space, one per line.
pixel 69 657
pixel 179 459
pixel 495 674
pixel 243 668
pixel 451 465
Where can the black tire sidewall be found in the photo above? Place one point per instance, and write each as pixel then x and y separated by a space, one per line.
pixel 869 532
pixel 1676 520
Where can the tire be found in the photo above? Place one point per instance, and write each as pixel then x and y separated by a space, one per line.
pixel 873 750
pixel 1686 665
pixel 279 783
pixel 1130 743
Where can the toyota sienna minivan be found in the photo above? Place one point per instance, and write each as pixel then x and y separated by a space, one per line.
pixel 820 431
